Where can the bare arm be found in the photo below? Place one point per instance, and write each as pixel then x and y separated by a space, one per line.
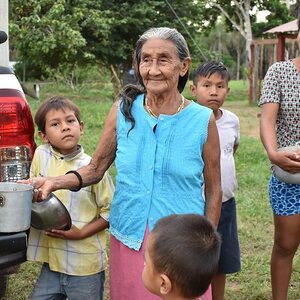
pixel 94 171
pixel 76 234
pixel 284 159
pixel 267 128
pixel 105 152
pixel 212 176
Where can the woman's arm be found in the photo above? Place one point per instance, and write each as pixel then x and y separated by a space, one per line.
pixel 267 128
pixel 105 151
pixel 212 175
pixel 94 171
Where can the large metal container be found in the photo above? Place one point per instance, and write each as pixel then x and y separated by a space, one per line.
pixel 15 206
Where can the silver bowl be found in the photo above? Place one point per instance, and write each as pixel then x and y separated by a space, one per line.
pixel 285 176
pixel 50 214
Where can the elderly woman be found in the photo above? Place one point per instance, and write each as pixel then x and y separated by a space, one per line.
pixel 164 147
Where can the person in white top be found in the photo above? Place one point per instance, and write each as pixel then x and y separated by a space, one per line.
pixel 210 87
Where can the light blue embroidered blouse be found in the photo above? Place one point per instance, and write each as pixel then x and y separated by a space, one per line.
pixel 159 169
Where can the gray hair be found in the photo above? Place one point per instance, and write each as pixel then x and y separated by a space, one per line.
pixel 164 33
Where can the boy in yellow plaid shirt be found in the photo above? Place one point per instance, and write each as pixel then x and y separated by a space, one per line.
pixel 74 261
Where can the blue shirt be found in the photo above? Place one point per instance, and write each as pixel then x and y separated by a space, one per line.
pixel 159 169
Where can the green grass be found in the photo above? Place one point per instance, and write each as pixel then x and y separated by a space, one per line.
pixel 254 223
pixel 254 213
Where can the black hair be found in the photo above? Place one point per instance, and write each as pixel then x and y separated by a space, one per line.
pixel 130 91
pixel 209 68
pixel 186 248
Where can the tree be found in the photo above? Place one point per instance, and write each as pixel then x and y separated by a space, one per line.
pixel 240 15
pixel 53 35
pixel 45 36
pixel 279 14
pixel 295 9
pixel 223 46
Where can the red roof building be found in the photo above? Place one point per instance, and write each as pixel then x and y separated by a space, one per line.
pixel 285 34
pixel 287 30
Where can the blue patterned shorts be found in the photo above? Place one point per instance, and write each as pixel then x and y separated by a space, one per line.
pixel 284 197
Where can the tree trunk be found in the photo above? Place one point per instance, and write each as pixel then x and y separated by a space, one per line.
pixel 115 80
pixel 248 31
pixel 219 44
pixel 238 63
pixel 244 27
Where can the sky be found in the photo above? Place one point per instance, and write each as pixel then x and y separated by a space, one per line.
pixel 261 15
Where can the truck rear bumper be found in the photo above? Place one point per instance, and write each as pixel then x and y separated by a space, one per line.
pixel 12 249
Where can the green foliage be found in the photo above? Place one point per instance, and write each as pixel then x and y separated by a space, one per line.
pixel 279 14
pixel 222 46
pixel 227 32
pixel 46 34
pixel 56 36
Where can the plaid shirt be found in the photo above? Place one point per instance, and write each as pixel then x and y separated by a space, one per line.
pixel 73 257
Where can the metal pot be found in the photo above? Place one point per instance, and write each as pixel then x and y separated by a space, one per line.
pixel 50 214
pixel 15 206
pixel 284 176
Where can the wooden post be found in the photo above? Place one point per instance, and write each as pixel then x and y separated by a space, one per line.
pixel 252 46
pixel 281 47
pixel 255 72
pixel 260 70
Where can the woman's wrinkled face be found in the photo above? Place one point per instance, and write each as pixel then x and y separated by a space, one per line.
pixel 160 66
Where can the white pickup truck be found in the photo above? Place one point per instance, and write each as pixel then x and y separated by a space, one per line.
pixel 17 146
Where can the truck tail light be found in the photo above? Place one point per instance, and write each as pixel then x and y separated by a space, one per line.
pixel 15 163
pixel 16 136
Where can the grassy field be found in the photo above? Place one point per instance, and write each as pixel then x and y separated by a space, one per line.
pixel 254 213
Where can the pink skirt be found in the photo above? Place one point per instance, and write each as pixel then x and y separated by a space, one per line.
pixel 126 267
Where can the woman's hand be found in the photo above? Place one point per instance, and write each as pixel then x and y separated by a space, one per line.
pixel 74 233
pixel 287 160
pixel 42 186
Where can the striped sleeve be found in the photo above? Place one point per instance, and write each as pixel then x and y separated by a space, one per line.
pixel 104 191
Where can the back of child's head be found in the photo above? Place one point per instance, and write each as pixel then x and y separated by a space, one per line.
pixel 186 248
pixel 209 68
pixel 54 103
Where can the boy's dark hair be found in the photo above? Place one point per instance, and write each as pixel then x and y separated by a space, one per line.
pixel 186 248
pixel 209 68
pixel 56 103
